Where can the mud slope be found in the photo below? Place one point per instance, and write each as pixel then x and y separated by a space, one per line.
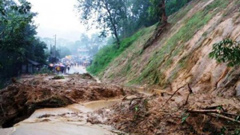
pixel 180 56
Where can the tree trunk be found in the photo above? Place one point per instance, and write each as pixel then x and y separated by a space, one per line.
pixel 164 17
pixel 116 35
pixel 113 23
pixel 162 26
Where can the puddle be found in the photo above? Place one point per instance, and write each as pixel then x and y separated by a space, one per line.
pixel 95 105
pixel 60 128
pixel 70 120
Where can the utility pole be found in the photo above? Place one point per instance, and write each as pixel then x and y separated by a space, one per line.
pixel 55 40
pixel 55 46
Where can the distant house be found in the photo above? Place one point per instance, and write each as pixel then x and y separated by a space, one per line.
pixel 30 66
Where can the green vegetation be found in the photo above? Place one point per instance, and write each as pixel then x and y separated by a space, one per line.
pixel 18 42
pixel 122 18
pixel 109 53
pixel 226 51
pixel 130 21
pixel 58 77
pixel 175 45
pixel 180 14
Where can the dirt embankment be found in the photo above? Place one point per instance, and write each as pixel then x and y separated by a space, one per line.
pixel 19 100
pixel 180 112
pixel 181 57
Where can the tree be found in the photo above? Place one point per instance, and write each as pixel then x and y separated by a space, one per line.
pixel 226 51
pixel 173 6
pixel 158 10
pixel 137 16
pixel 106 13
pixel 64 51
pixel 124 17
pixel 17 37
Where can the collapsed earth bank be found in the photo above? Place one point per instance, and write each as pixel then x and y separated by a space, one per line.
pixel 20 99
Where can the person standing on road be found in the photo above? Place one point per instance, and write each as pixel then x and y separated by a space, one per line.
pixel 68 68
pixel 58 69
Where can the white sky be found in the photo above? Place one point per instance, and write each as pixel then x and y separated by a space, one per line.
pixel 57 17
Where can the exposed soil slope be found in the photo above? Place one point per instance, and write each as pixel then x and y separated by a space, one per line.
pixel 181 54
pixel 180 57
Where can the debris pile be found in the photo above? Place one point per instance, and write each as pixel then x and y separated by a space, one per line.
pixel 181 113
pixel 19 100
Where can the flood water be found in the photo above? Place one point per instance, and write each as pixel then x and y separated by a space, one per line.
pixel 70 120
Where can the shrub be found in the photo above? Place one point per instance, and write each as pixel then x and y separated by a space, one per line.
pixel 226 51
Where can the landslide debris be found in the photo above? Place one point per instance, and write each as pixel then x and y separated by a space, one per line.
pixel 179 113
pixel 19 100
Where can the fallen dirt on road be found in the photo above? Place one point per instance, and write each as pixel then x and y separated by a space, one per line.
pixel 131 110
pixel 19 100
pixel 180 113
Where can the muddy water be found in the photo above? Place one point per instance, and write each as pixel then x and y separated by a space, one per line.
pixel 70 120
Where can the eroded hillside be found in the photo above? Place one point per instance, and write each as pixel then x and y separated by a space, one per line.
pixel 181 54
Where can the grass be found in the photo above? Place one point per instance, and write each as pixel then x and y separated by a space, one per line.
pixel 107 54
pixel 162 59
pixel 58 77
pixel 175 45
pixel 126 69
pixel 180 14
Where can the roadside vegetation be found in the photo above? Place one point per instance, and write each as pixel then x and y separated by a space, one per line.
pixel 18 41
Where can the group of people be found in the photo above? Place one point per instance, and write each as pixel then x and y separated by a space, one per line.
pixel 59 68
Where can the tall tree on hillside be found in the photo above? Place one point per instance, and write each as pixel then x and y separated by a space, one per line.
pixel 162 7
pixel 157 9
pixel 137 17
pixel 106 13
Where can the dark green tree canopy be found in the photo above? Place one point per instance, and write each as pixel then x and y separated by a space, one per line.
pixel 18 40
pixel 122 18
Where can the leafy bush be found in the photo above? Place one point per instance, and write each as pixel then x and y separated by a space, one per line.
pixel 226 51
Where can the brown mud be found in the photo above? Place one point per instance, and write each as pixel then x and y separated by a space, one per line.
pixel 197 113
pixel 79 105
pixel 19 100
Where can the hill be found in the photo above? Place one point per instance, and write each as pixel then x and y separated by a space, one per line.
pixel 180 56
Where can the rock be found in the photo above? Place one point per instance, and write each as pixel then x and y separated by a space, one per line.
pixel 238 89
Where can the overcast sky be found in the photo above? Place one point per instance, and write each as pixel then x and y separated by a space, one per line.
pixel 57 17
